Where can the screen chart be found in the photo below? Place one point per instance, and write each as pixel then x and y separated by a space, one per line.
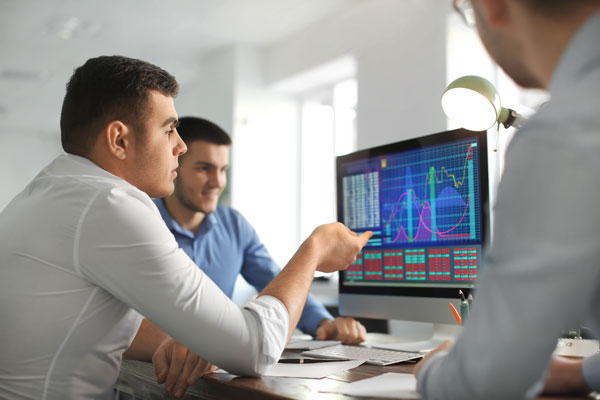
pixel 424 207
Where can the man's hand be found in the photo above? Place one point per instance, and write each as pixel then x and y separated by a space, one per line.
pixel 347 330
pixel 337 246
pixel 565 377
pixel 444 346
pixel 178 367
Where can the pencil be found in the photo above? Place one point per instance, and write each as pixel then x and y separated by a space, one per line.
pixel 456 315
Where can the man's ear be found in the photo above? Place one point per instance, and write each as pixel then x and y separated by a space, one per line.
pixel 119 139
pixel 494 12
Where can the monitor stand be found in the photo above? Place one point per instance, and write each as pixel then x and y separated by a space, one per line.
pixel 418 337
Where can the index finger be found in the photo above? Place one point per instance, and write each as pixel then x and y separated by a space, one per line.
pixel 364 238
pixel 177 362
pixel 161 366
pixel 188 368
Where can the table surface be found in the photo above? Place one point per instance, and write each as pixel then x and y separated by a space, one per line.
pixel 137 378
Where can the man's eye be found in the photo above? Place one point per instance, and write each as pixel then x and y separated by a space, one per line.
pixel 169 131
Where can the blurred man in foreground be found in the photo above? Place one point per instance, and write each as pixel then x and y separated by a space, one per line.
pixel 541 276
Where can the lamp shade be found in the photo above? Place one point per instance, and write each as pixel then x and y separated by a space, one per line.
pixel 472 102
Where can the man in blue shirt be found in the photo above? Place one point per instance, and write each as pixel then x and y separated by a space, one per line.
pixel 219 239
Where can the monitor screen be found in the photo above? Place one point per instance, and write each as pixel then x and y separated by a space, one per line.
pixel 426 201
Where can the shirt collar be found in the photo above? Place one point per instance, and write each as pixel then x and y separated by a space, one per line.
pixel 207 224
pixel 66 164
pixel 581 53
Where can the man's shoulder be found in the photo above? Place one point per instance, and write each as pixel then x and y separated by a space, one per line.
pixel 232 219
pixel 230 215
pixel 122 199
pixel 88 182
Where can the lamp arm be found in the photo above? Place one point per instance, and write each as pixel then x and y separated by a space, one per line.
pixel 511 118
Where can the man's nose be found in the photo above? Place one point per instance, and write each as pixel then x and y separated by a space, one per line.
pixel 181 147
pixel 215 179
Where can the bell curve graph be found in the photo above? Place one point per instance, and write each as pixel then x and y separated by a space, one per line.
pixel 424 208
pixel 430 196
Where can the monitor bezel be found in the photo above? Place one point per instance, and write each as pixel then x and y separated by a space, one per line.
pixel 411 144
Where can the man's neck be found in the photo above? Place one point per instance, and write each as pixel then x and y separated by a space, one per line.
pixel 186 218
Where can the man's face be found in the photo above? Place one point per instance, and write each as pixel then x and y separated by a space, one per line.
pixel 156 151
pixel 202 176
pixel 505 48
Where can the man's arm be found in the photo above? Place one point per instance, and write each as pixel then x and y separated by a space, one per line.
pixel 329 248
pixel 565 376
pixel 568 376
pixel 175 365
pixel 146 341
pixel 258 269
pixel 136 259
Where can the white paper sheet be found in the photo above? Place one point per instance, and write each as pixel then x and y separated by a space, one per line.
pixel 301 344
pixel 389 386
pixel 312 370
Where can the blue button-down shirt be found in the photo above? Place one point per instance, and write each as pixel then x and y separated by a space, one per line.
pixel 227 245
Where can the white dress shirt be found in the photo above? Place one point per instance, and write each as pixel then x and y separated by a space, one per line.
pixel 80 250
pixel 542 274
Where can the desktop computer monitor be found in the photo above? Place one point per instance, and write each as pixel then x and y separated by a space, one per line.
pixel 426 201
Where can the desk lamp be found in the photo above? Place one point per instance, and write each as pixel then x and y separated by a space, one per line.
pixel 474 103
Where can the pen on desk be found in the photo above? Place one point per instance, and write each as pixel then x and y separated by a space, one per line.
pixel 306 360
pixel 456 315
pixel 464 306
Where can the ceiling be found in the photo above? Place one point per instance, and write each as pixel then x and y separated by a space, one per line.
pixel 42 41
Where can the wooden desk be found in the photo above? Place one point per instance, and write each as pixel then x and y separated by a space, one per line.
pixel 137 379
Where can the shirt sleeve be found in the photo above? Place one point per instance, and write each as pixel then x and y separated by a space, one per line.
pixel 125 248
pixel 540 278
pixel 258 269
pixel 591 371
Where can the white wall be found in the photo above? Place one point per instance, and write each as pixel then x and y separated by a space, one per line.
pixel 265 162
pixel 22 156
pixel 212 94
pixel 399 46
pixel 401 78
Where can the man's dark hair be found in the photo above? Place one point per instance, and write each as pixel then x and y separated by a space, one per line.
pixel 556 8
pixel 194 128
pixel 105 89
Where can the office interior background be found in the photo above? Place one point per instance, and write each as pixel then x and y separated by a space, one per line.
pixel 295 82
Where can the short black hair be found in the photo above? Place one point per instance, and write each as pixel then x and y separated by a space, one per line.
pixel 558 7
pixel 195 128
pixel 105 89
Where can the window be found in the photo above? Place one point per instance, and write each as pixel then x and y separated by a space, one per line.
pixel 328 129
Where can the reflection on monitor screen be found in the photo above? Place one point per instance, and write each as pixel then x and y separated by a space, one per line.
pixel 426 201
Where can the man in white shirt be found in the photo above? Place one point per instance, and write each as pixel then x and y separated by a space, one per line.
pixel 542 275
pixel 84 253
